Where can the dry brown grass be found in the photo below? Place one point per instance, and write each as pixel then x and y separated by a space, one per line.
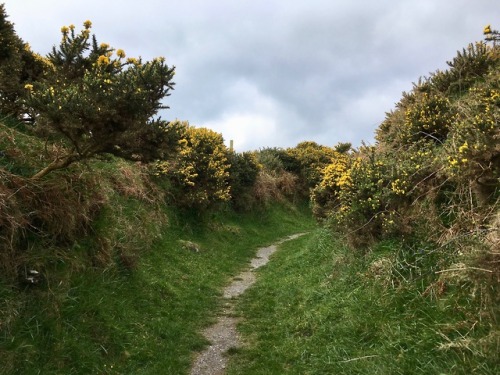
pixel 117 208
pixel 133 180
pixel 55 211
pixel 277 187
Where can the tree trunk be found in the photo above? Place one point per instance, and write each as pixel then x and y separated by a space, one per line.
pixel 55 165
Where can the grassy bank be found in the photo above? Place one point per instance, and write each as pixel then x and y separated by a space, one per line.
pixel 317 308
pixel 142 316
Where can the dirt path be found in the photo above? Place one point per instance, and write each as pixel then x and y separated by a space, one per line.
pixel 223 334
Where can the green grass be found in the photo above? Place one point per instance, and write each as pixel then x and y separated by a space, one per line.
pixel 141 319
pixel 19 151
pixel 318 308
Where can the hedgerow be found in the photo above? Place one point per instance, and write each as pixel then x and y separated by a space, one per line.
pixel 432 182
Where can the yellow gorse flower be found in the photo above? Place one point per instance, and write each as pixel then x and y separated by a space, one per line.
pixel 87 24
pixel 102 60
pixel 64 30
pixel 487 30
pixel 452 161
pixel 28 87
pixel 120 53
pixel 463 148
pixel 398 187
pixel 133 60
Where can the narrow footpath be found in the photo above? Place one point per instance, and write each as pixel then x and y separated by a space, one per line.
pixel 223 335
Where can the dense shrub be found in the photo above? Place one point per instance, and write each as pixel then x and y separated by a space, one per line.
pixel 199 173
pixel 470 64
pixel 326 195
pixel 431 184
pixel 435 168
pixel 93 100
pixel 18 65
pixel 309 160
pixel 273 159
pixel 243 172
pixel 473 148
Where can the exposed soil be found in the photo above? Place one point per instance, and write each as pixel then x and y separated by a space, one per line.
pixel 223 334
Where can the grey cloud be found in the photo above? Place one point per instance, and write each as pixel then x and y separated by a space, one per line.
pixel 322 70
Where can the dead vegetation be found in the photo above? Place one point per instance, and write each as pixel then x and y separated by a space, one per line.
pixel 97 200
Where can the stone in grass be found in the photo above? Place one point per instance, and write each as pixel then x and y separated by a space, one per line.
pixel 191 246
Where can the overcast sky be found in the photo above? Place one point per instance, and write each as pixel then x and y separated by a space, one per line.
pixel 273 73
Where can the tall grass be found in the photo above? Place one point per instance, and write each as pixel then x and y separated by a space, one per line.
pixel 317 308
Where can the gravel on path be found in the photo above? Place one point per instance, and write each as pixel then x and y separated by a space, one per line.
pixel 223 335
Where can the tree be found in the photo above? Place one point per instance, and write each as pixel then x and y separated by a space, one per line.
pixel 93 100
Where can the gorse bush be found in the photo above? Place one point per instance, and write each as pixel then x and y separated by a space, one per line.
pixel 273 159
pixel 92 100
pixel 429 116
pixel 472 150
pixel 199 173
pixel 470 64
pixel 243 172
pixel 18 65
pixel 326 195
pixel 310 159
pixel 433 146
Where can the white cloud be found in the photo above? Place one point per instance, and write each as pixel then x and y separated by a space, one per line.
pixel 248 131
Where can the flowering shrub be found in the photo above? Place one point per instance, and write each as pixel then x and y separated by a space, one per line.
pixel 491 35
pixel 361 195
pixel 429 117
pixel 199 173
pixel 18 65
pixel 326 195
pixel 472 152
pixel 93 100
pixel 436 162
pixel 309 160
pixel 471 63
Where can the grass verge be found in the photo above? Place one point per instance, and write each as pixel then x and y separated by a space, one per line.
pixel 318 308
